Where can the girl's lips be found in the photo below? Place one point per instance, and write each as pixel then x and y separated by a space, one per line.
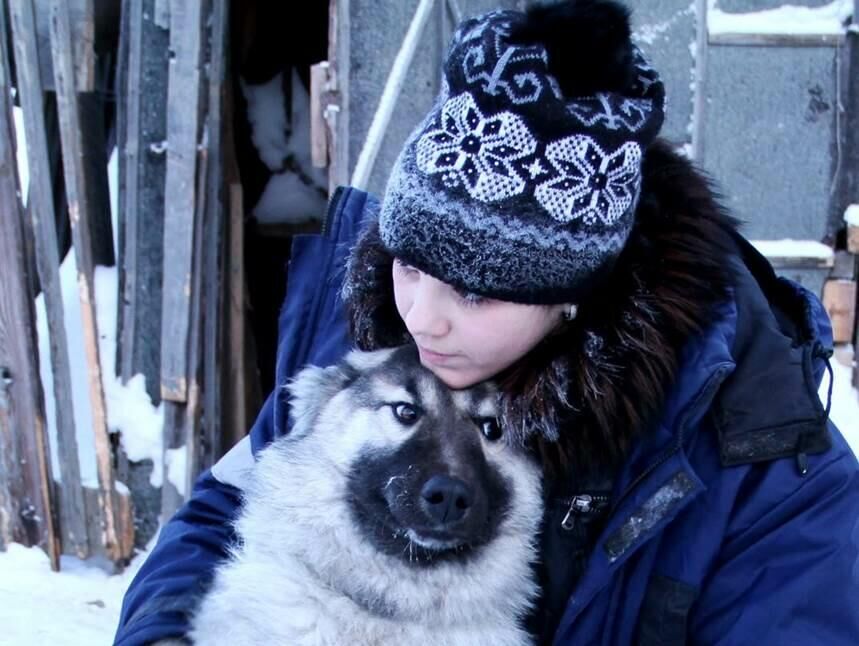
pixel 435 358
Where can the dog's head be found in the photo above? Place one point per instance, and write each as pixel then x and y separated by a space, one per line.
pixel 426 472
pixel 399 493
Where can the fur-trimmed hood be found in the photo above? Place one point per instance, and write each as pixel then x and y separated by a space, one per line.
pixel 585 392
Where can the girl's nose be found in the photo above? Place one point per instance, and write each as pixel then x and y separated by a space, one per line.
pixel 426 316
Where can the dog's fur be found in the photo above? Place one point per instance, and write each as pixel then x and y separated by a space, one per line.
pixel 337 546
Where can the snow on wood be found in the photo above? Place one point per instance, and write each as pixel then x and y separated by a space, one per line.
pixel 851 215
pixel 796 254
pixel 788 19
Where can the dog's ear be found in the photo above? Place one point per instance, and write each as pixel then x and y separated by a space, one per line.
pixel 311 389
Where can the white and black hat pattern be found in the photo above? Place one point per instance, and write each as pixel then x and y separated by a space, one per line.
pixel 538 189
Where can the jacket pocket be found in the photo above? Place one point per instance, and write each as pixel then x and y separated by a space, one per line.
pixel 664 613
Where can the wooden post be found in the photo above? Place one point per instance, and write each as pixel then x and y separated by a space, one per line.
pixel 853 238
pixel 183 99
pixel 214 316
pixel 142 162
pixel 41 209
pixel 79 214
pixel 839 299
pixel 318 128
pixel 26 506
pixel 235 345
pixel 336 111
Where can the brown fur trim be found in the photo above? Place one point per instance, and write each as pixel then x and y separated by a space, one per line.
pixel 582 395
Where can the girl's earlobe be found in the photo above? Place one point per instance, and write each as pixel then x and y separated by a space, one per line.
pixel 570 311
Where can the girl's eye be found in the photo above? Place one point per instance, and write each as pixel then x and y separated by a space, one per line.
pixel 470 298
pixel 403 267
pixel 490 428
pixel 405 413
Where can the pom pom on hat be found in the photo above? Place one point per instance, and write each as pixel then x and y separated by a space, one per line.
pixel 596 31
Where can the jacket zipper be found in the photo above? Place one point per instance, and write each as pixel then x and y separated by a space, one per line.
pixel 582 505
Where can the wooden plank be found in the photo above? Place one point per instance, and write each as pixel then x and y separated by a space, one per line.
pixel 853 239
pixel 83 36
pixel 43 218
pixel 79 213
pixel 800 262
pixel 238 422
pixel 777 40
pixel 26 507
pixel 191 439
pixel 318 128
pixel 214 244
pixel 844 267
pixel 174 437
pixel 337 111
pixel 839 299
pixel 183 433
pixel 142 156
pixel 183 99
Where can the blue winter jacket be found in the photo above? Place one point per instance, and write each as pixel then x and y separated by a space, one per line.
pixel 733 522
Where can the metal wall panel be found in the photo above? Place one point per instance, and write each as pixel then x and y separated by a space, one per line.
pixel 665 30
pixel 768 131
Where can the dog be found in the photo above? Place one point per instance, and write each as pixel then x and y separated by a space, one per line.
pixel 394 512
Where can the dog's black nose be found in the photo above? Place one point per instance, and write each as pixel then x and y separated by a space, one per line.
pixel 446 500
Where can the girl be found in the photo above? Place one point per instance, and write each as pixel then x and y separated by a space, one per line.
pixel 535 231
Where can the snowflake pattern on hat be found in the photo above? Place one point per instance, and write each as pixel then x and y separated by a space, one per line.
pixel 594 186
pixel 475 151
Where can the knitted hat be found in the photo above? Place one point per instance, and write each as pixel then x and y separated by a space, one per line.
pixel 522 181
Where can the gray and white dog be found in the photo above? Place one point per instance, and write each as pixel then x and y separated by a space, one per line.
pixel 394 512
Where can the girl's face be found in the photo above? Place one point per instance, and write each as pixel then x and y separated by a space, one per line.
pixel 463 338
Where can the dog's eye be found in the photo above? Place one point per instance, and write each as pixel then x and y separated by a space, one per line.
pixel 490 428
pixel 405 413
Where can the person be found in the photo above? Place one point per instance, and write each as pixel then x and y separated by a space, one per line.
pixel 536 231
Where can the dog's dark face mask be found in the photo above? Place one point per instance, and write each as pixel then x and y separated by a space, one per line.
pixel 435 496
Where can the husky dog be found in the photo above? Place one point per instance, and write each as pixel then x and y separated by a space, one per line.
pixel 394 512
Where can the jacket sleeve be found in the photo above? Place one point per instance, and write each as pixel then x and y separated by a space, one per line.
pixel 789 575
pixel 311 330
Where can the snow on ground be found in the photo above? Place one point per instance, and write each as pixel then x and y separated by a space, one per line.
pixel 79 606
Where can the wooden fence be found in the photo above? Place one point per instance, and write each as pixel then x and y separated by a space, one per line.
pixel 159 98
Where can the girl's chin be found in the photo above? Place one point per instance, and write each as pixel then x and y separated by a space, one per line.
pixel 455 378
